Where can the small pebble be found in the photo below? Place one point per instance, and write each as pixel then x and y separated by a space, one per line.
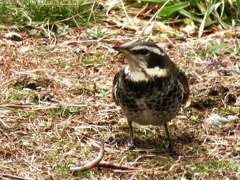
pixel 216 119
pixel 232 117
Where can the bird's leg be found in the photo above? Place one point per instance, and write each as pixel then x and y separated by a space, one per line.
pixel 170 141
pixel 131 142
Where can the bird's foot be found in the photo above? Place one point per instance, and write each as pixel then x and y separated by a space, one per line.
pixel 171 150
pixel 132 146
pixel 173 153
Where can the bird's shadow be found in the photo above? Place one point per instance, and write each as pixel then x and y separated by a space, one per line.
pixel 158 144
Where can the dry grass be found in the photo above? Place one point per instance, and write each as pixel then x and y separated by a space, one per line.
pixel 56 108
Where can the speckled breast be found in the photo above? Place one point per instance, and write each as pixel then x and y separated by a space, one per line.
pixel 153 102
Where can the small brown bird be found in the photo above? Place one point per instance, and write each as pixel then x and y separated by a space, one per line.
pixel 151 88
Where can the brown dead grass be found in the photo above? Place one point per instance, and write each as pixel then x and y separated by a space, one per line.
pixel 56 109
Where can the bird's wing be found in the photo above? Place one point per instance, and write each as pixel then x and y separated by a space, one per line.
pixel 115 84
pixel 183 80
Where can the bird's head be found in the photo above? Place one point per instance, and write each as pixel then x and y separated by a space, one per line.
pixel 146 60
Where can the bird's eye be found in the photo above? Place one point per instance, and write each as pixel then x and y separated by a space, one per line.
pixel 141 51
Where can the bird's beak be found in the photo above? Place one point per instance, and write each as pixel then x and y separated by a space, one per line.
pixel 122 50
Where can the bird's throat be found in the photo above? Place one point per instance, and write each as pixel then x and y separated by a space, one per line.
pixel 145 74
pixel 134 75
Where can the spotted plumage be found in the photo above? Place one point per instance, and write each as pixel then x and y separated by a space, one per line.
pixel 151 88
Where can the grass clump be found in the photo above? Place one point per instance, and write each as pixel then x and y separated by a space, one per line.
pixel 20 97
pixel 93 60
pixel 193 13
pixel 64 112
pixel 215 48
pixel 30 83
pixel 204 12
pixel 98 89
pixel 34 13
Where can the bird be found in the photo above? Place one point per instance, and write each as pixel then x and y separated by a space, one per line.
pixel 151 89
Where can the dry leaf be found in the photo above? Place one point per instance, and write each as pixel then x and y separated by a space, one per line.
pixel 13 36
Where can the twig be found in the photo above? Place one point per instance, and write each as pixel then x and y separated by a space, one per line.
pixel 91 164
pixel 107 164
pixel 126 14
pixel 98 162
pixel 13 177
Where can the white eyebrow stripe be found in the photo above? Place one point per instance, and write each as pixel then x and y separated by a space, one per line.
pixel 152 49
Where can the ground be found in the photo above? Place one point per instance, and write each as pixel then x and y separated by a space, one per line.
pixel 56 108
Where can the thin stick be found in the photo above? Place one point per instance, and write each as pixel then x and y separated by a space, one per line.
pixel 107 164
pixel 91 164
pixel 126 14
pixel 13 177
pixel 98 162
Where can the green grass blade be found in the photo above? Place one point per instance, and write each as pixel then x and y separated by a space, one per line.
pixel 154 1
pixel 210 9
pixel 238 8
pixel 190 15
pixel 168 10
